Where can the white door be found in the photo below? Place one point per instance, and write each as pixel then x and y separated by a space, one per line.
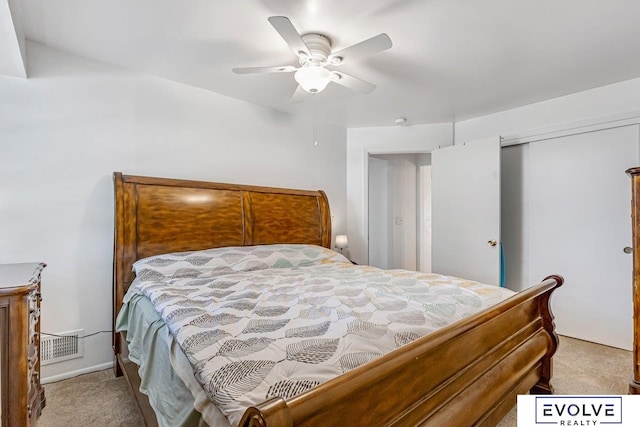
pixel 579 223
pixel 466 210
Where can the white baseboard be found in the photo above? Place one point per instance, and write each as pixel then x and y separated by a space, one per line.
pixel 67 375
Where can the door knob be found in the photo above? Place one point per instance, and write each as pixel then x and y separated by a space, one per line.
pixel 627 250
pixel 492 242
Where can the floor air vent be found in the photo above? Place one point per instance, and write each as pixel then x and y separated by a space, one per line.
pixel 61 346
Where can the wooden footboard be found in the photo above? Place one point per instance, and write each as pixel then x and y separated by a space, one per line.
pixel 468 373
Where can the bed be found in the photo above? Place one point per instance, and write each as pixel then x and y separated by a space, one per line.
pixel 466 373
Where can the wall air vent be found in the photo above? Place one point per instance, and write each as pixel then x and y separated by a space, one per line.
pixel 61 346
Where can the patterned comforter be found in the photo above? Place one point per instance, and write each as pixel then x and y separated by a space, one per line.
pixel 264 321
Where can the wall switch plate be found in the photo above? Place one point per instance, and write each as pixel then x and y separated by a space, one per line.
pixel 399 220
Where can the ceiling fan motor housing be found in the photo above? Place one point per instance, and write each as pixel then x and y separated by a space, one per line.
pixel 319 47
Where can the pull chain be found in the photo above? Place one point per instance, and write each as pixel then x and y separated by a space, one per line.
pixel 315 120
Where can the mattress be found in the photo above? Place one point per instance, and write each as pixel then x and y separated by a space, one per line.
pixel 263 321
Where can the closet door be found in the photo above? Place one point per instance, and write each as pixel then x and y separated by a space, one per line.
pixel 466 210
pixel 579 223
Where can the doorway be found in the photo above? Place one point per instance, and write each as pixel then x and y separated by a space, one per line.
pixel 400 211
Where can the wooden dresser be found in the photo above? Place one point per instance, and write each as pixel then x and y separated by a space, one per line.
pixel 21 395
pixel 634 173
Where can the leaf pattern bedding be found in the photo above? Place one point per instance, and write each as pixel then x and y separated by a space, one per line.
pixel 262 321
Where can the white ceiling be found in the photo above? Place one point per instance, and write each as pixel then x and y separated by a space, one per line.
pixel 451 59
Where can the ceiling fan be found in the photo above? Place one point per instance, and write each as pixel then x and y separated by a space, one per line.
pixel 314 53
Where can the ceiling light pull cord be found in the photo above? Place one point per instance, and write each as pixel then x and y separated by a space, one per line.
pixel 315 120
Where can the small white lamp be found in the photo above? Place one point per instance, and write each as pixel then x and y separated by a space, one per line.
pixel 342 242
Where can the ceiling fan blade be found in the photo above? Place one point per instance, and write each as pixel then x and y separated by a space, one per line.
pixel 252 70
pixel 288 32
pixel 366 47
pixel 300 95
pixel 352 82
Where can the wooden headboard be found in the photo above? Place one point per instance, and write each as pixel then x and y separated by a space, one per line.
pixel 160 215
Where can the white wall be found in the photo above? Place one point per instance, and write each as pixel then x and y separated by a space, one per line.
pixel 424 217
pixel 405 219
pixel 75 121
pixel 599 104
pixel 380 140
pixel 380 213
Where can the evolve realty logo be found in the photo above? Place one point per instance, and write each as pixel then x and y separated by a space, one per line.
pixel 578 410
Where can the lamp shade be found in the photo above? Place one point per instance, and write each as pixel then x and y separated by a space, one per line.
pixel 342 241
pixel 313 78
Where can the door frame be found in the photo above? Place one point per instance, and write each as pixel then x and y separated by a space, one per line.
pixel 366 214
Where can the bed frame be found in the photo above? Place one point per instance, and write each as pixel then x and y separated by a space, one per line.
pixel 468 373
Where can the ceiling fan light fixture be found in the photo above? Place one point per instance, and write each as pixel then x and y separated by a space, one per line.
pixel 313 51
pixel 313 78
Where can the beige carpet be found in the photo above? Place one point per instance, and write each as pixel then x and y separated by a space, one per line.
pixel 100 399
pixel 97 399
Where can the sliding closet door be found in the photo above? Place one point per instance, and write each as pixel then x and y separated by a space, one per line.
pixel 466 210
pixel 579 223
